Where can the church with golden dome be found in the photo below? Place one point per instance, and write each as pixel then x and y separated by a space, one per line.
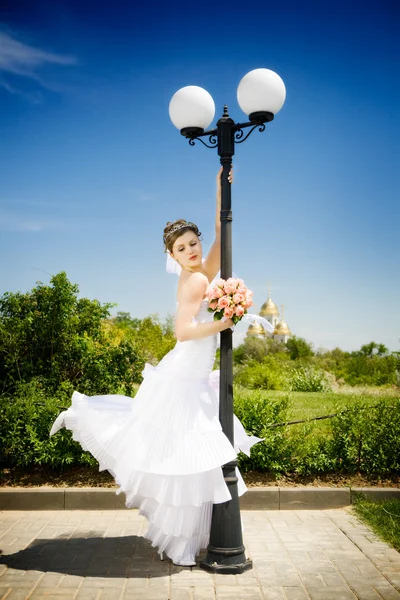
pixel 270 311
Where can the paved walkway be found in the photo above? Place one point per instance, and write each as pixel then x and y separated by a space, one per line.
pixel 100 555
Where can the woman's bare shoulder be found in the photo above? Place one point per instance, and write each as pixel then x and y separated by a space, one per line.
pixel 193 285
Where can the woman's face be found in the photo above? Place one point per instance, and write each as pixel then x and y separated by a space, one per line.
pixel 187 251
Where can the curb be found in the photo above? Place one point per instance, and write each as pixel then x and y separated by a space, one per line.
pixel 256 498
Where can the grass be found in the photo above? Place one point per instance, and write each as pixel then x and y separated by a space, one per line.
pixel 382 517
pixel 305 405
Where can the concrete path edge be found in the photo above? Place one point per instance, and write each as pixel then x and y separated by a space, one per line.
pixel 256 498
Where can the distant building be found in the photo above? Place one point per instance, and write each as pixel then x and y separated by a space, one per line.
pixel 270 311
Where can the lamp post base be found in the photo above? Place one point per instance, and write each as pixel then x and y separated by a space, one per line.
pixel 225 568
pixel 226 553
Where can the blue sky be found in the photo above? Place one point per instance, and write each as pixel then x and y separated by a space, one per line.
pixel 92 168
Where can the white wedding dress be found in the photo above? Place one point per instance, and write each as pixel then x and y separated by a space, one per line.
pixel 165 447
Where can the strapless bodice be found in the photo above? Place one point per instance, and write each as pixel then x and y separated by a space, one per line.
pixel 203 316
pixel 193 358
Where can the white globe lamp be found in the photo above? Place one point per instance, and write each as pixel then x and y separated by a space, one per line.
pixel 261 94
pixel 191 109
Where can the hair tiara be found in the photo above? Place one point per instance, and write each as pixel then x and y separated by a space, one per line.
pixel 177 227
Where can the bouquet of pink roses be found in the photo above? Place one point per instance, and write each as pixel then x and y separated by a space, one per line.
pixel 229 298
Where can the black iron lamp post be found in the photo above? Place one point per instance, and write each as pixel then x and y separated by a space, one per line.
pixel 261 94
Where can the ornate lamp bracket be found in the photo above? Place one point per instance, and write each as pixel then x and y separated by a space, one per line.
pixel 257 120
pixel 212 139
pixel 239 133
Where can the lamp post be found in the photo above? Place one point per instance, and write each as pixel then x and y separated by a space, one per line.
pixel 261 94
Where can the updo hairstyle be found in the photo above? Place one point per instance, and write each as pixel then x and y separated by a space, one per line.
pixel 173 231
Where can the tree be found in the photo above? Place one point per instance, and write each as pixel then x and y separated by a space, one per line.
pixel 51 334
pixel 373 348
pixel 299 348
pixel 257 349
pixel 154 338
pixel 124 319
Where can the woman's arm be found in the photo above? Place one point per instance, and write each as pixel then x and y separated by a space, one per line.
pixel 190 299
pixel 212 263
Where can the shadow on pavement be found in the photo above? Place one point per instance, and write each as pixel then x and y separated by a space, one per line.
pixel 129 556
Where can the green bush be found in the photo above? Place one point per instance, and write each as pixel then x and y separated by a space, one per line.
pixel 286 449
pixel 364 439
pixel 25 422
pixel 360 368
pixel 310 450
pixel 256 411
pixel 309 379
pixel 371 370
pixel 105 368
pixel 270 374
pixel 367 439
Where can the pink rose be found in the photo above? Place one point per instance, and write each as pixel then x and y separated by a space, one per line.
pixel 239 311
pixel 230 286
pixel 237 298
pixel 213 304
pixel 223 302
pixel 217 293
pixel 247 303
pixel 228 312
pixel 220 282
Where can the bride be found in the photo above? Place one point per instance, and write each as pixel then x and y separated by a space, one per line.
pixel 165 447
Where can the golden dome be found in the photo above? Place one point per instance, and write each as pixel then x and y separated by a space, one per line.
pixel 282 328
pixel 256 329
pixel 269 308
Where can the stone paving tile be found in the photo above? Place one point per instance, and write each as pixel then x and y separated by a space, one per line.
pixel 332 594
pixel 274 593
pixel 192 583
pixel 193 592
pixel 385 560
pixel 92 594
pixel 238 593
pixel 111 594
pixel 58 593
pixel 145 594
pixel 387 592
pixel 281 581
pixel 366 592
pixel 296 593
pixel 103 582
pixel 17 595
pixel 100 555
pixel 202 593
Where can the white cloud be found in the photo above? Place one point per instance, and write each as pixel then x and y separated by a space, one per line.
pixel 17 58
pixel 35 97
pixel 22 59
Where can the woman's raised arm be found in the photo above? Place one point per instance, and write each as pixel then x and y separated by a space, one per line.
pixel 212 263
